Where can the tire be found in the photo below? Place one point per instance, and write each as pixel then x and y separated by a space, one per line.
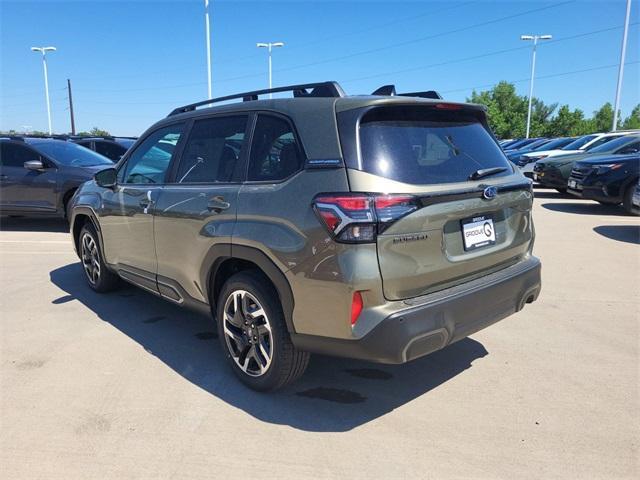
pixel 98 276
pixel 626 201
pixel 257 345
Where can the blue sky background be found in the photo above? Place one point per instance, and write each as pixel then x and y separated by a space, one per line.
pixel 131 62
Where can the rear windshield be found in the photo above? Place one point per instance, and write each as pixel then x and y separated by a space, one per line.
pixel 425 146
pixel 70 154
pixel 613 143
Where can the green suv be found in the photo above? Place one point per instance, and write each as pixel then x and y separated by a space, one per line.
pixel 379 227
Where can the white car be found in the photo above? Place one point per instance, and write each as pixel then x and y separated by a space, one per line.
pixel 581 145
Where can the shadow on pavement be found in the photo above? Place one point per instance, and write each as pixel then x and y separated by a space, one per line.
pixel 334 395
pixel 551 194
pixel 586 208
pixel 621 233
pixel 33 224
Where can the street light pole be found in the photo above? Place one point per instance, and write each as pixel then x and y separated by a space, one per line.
pixel 535 39
pixel 623 53
pixel 270 46
pixel 208 35
pixel 44 51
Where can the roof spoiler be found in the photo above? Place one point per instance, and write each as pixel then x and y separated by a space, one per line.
pixel 322 89
pixel 390 91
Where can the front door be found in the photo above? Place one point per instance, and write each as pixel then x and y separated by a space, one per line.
pixel 197 209
pixel 127 213
pixel 22 190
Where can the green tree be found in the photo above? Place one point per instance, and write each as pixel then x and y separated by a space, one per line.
pixel 507 111
pixel 602 119
pixel 95 132
pixel 632 122
pixel 567 123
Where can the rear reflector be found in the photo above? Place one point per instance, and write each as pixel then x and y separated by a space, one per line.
pixel 356 307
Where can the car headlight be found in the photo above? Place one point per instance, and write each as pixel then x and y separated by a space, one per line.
pixel 601 169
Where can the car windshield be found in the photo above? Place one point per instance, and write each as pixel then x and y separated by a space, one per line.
pixel 70 154
pixel 578 144
pixel 424 146
pixel 553 144
pixel 615 143
pixel 125 142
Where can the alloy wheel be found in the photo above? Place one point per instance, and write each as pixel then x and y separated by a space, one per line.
pixel 90 258
pixel 247 333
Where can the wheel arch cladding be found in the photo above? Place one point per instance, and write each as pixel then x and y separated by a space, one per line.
pixel 220 263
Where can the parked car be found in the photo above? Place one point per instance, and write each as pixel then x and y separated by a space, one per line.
pixel 111 147
pixel 506 143
pixel 609 179
pixel 580 145
pixel 554 172
pixel 635 198
pixel 525 162
pixel 522 144
pixel 38 176
pixel 374 227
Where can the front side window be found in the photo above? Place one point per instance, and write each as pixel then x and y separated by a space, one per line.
pixel 12 155
pixel 149 162
pixel 275 154
pixel 212 151
pixel 423 146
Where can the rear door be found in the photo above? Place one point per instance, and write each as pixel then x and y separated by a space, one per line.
pixel 472 209
pixel 196 210
pixel 22 189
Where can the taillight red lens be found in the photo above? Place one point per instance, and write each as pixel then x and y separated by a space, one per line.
pixel 448 106
pixel 356 307
pixel 358 218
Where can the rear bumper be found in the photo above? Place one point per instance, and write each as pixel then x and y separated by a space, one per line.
pixel 434 321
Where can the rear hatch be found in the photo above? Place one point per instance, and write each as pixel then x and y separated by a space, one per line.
pixel 462 209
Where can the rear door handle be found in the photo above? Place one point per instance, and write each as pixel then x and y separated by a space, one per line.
pixel 217 204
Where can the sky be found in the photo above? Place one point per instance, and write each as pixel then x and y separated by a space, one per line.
pixel 132 62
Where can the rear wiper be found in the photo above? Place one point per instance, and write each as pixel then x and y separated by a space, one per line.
pixel 486 172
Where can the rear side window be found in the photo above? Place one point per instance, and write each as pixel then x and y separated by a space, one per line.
pixel 212 151
pixel 424 146
pixel 275 153
pixel 15 155
pixel 110 150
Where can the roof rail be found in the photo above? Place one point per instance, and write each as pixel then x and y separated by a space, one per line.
pixel 390 90
pixel 322 89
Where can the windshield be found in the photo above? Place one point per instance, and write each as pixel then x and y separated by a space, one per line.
pixel 577 144
pixel 613 144
pixel 125 142
pixel 553 144
pixel 71 154
pixel 425 146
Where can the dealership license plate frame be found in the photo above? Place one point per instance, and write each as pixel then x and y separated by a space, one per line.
pixel 479 224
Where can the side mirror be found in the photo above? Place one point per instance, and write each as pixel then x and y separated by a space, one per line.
pixel 35 165
pixel 106 178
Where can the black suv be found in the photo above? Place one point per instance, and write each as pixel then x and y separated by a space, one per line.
pixel 379 227
pixel 111 147
pixel 609 179
pixel 38 176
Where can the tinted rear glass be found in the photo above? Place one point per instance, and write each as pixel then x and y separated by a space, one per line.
pixel 425 146
pixel 553 144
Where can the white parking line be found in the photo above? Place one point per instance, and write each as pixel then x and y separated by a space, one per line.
pixel 36 241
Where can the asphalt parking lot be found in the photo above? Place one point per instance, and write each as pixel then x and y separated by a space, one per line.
pixel 125 385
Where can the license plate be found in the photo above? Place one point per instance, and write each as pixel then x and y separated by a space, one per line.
pixel 478 232
pixel 573 184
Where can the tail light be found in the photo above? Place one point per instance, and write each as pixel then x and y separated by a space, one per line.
pixel 359 218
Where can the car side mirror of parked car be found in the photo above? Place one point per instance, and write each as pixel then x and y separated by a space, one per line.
pixel 106 178
pixel 35 165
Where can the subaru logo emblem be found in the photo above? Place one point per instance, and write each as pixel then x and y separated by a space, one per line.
pixel 490 193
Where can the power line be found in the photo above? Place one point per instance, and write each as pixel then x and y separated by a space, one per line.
pixel 552 75
pixel 482 55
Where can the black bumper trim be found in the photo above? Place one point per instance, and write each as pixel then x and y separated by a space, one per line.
pixel 439 319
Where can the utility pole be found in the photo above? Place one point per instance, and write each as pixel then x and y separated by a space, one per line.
pixel 623 53
pixel 270 46
pixel 535 39
pixel 73 122
pixel 43 51
pixel 206 21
